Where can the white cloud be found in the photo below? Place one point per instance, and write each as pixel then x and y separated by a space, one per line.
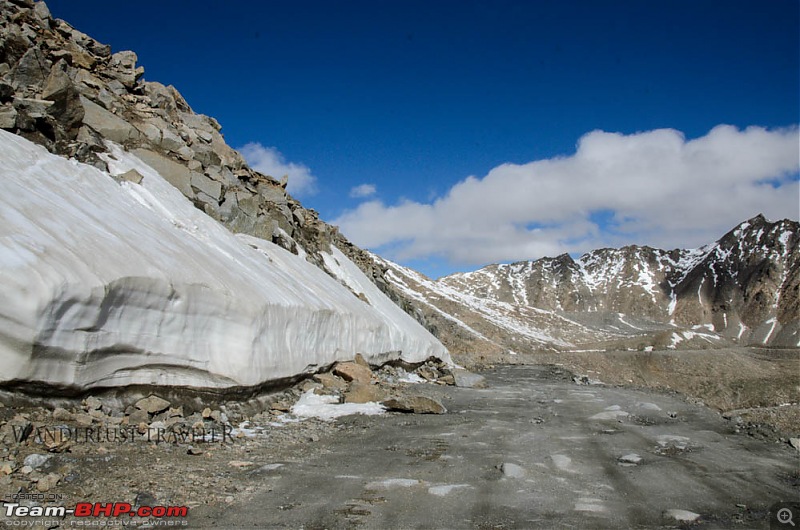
pixel 652 187
pixel 270 161
pixel 363 190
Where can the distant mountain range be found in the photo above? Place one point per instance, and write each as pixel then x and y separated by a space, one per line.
pixel 742 289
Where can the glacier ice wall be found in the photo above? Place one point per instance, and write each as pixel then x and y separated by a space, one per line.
pixel 110 284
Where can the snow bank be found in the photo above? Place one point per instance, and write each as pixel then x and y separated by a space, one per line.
pixel 108 284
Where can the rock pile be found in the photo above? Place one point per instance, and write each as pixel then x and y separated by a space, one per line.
pixel 74 449
pixel 66 91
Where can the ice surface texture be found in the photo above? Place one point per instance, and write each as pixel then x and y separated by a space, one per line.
pixel 109 284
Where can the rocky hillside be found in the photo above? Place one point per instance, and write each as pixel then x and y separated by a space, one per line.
pixel 108 279
pixel 741 289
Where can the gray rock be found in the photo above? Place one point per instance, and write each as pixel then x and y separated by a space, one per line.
pixel 32 69
pixel 8 117
pixel 229 205
pixel 210 187
pixel 92 403
pixel 150 131
pixel 152 404
pixel 36 461
pixel 512 470
pixel 205 154
pixel 132 176
pixel 67 108
pixel 40 10
pixel 185 153
pixel 176 174
pixel 170 140
pixel 795 442
pixel 122 67
pixel 108 125
pixel 415 404
pixel 6 92
pixel 60 414
pixel 34 108
pixel 116 87
pixel 273 194
pixel 299 218
pixel 162 97
pixel 466 379
pixel 138 416
pixel 222 175
pixel 28 4
pixel 200 123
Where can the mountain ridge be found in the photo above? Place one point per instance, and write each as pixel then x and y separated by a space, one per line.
pixel 741 289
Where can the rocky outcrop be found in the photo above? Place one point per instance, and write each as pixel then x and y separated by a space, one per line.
pixel 64 90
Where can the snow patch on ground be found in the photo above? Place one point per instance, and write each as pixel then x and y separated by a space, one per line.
pixel 391 483
pixel 311 405
pixel 446 489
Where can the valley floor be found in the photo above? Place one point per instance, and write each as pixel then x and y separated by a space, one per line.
pixel 542 446
pixel 533 450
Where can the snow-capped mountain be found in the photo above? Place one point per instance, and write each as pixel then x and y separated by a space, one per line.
pixel 742 288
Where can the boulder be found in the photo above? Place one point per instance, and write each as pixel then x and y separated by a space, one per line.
pixel 131 176
pixel 364 393
pixel 122 67
pixel 467 379
pixel 176 174
pixel 330 381
pixel 170 140
pixel 41 10
pixel 151 131
pixel 32 69
pixel 6 92
pixel 205 154
pixel 161 97
pixel 36 460
pixel 350 371
pixel 67 108
pixel 108 125
pixel 512 470
pixel 92 403
pixel 272 193
pixel 185 153
pixel 8 117
pixel 416 403
pixel 152 404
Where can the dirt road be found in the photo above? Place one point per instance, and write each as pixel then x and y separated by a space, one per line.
pixel 534 450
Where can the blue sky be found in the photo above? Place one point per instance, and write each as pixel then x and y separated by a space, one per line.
pixel 448 135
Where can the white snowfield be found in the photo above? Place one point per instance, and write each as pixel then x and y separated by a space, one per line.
pixel 109 284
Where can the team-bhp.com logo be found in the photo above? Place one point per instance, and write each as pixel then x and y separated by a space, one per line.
pixel 95 509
